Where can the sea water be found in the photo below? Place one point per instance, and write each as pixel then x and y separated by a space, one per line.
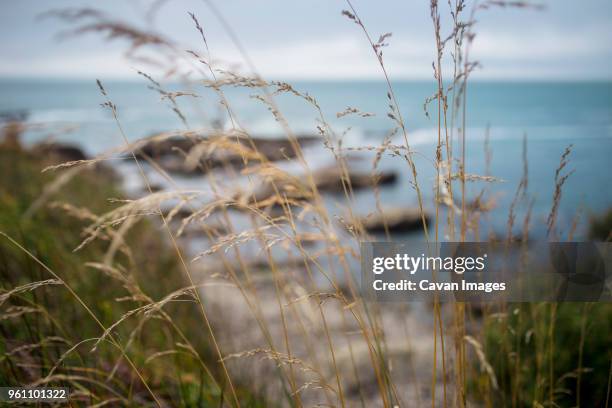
pixel 551 115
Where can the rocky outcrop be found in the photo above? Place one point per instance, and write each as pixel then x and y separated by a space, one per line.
pixel 197 154
pixel 59 152
pixel 398 220
pixel 328 179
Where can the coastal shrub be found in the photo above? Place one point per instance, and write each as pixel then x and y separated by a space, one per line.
pixel 48 336
pixel 545 354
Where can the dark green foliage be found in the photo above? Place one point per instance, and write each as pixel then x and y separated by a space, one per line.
pixel 570 340
pixel 37 327
pixel 601 227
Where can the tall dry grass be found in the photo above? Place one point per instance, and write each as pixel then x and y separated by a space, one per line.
pixel 291 332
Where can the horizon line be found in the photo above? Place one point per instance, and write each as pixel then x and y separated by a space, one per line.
pixel 136 78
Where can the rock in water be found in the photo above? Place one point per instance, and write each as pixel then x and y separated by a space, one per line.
pixel 397 219
pixel 206 152
pixel 59 152
pixel 330 179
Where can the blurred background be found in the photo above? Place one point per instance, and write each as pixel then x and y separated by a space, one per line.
pixel 543 74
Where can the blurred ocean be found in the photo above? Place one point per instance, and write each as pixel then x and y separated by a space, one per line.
pixel 552 115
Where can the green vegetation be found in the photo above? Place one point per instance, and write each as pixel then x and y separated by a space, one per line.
pixel 601 227
pixel 48 337
pixel 547 354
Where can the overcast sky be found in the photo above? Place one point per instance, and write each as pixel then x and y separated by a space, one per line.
pixel 310 39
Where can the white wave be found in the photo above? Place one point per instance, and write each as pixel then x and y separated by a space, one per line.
pixel 80 115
